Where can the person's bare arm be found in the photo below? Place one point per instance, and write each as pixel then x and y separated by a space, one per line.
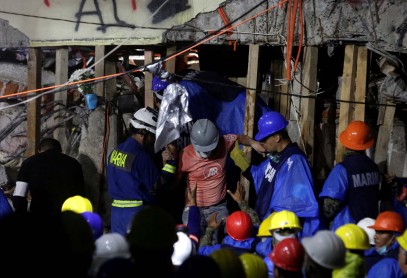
pixel 248 141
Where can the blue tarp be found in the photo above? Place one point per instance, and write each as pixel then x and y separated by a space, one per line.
pixel 228 116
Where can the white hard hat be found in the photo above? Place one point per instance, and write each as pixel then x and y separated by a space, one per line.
pixel 145 118
pixel 326 249
pixel 108 246
pixel 112 245
pixel 364 224
pixel 183 249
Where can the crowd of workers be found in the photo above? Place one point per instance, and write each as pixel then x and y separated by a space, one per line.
pixel 354 227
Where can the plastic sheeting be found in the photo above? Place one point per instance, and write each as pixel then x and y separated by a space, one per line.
pixel 173 114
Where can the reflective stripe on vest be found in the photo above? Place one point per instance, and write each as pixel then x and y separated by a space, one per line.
pixel 127 203
pixel 169 168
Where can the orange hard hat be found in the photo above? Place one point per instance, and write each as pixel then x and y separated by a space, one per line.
pixel 357 136
pixel 388 221
pixel 239 225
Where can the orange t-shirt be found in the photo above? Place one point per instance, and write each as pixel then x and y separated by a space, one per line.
pixel 208 173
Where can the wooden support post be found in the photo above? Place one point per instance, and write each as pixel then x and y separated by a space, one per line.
pixel 148 78
pixel 361 83
pixel 252 76
pixel 347 95
pixel 100 68
pixel 285 99
pixel 33 106
pixel 385 122
pixel 170 65
pixel 114 125
pixel 61 98
pixel 111 90
pixel 307 108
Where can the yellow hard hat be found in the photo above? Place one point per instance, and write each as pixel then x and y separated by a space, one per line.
pixel 353 236
pixel 402 240
pixel 77 204
pixel 264 226
pixel 285 219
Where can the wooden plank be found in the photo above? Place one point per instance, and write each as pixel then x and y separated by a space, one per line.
pixel 100 68
pixel 170 65
pixel 110 84
pixel 361 83
pixel 347 95
pixel 307 108
pixel 148 78
pixel 284 96
pixel 33 106
pixel 383 136
pixel 252 77
pixel 61 77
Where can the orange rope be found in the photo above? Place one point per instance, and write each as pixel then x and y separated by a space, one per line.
pixel 301 37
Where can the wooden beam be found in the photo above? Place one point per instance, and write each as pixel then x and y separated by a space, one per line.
pixel 284 96
pixel 61 98
pixel 307 106
pixel 33 106
pixel 252 77
pixel 347 95
pixel 361 83
pixel 170 65
pixel 148 78
pixel 100 68
pixel 110 84
pixel 385 122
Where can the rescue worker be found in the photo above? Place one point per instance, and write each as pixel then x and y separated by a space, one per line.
pixel 134 180
pixel 264 242
pixel 108 246
pixel 151 239
pixel 78 204
pixel 50 177
pixel 402 256
pixel 229 263
pixel 288 258
pixel 390 267
pixel 356 242
pixel 5 207
pixel 324 252
pixel 284 180
pixel 365 223
pixel 284 224
pixel 95 223
pixel 239 229
pixel 352 190
pixel 253 266
pixel 173 100
pixel 203 163
pixel 388 226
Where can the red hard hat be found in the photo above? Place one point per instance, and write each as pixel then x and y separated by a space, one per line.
pixel 288 254
pixel 357 136
pixel 388 221
pixel 239 225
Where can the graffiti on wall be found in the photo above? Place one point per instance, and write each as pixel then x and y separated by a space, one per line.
pixel 160 10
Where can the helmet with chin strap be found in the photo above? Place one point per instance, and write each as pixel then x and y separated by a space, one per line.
pixel 145 118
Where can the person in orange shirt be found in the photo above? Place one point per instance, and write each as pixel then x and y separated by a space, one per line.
pixel 204 164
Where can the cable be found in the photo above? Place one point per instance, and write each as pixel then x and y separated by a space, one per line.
pixel 103 78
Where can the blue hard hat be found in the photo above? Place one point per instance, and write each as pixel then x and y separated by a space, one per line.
pixel 159 84
pixel 95 222
pixel 270 123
